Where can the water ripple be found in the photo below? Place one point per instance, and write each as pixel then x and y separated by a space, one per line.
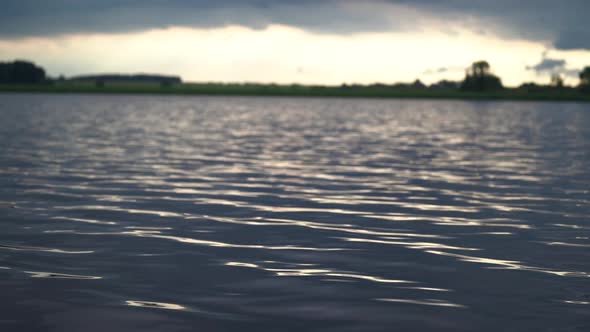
pixel 38 249
pixel 155 305
pixel 320 214
pixel 427 302
pixel 53 275
pixel 307 272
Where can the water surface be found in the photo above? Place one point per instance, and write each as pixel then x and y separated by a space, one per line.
pixel 135 213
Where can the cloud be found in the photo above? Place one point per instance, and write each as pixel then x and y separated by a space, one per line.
pixel 438 70
pixel 20 18
pixel 553 66
pixel 573 39
pixel 443 70
pixel 548 65
pixel 563 25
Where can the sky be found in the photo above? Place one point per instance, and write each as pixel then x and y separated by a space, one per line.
pixel 300 41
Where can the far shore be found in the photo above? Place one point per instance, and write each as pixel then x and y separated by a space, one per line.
pixel 217 89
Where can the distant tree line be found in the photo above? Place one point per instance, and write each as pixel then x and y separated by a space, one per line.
pixel 21 72
pixel 478 78
pixel 25 72
pixel 101 80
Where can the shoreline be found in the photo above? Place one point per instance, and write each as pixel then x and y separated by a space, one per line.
pixel 303 91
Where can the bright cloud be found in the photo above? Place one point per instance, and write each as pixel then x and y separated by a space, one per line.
pixel 286 54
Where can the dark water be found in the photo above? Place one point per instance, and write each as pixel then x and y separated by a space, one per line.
pixel 129 213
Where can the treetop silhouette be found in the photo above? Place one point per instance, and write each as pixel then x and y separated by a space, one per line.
pixel 479 77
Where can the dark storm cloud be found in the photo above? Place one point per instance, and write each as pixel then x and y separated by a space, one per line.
pixel 40 17
pixel 562 23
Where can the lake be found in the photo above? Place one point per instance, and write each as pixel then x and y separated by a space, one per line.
pixel 147 213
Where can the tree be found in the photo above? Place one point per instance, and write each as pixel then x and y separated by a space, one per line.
pixel 21 72
pixel 479 77
pixel 585 76
pixel 418 84
pixel 556 80
pixel 479 69
pixel 585 80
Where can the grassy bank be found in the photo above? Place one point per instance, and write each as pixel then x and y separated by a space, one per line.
pixel 303 91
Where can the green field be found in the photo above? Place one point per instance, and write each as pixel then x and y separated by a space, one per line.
pixel 566 94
